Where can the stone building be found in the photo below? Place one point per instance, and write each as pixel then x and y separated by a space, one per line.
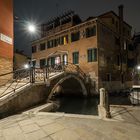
pixel 6 37
pixel 136 46
pixel 20 60
pixel 135 63
pixel 98 45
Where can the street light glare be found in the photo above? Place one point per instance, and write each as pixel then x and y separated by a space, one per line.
pixel 138 67
pixel 32 28
pixel 26 66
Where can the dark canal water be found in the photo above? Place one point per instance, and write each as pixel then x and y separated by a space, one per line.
pixel 86 106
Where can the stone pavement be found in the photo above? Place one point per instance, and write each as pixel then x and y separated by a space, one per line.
pixel 60 126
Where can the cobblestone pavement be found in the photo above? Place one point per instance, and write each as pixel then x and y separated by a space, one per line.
pixel 59 126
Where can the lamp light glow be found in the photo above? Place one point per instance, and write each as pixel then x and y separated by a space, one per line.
pixel 26 66
pixel 31 28
pixel 138 67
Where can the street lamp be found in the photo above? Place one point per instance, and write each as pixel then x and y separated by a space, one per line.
pixel 28 26
pixel 31 28
pixel 26 66
pixel 138 67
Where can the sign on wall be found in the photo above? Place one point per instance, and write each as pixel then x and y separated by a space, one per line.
pixel 6 39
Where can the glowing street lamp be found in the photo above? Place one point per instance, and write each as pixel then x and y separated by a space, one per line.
pixel 138 67
pixel 26 66
pixel 31 28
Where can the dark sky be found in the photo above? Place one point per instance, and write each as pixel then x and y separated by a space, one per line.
pixel 40 11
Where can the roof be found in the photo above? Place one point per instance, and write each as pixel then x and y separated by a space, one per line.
pixel 112 12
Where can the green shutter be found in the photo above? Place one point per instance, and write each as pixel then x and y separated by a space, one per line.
pixel 75 57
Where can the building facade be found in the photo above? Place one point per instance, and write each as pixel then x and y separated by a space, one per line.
pixel 6 37
pixel 135 45
pixel 21 60
pixel 98 45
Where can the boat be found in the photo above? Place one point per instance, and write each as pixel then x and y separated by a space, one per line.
pixel 135 95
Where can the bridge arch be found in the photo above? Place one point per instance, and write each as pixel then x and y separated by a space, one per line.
pixel 60 83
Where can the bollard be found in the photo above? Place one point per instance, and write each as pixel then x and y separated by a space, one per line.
pixel 103 107
pixel 107 106
pixel 102 97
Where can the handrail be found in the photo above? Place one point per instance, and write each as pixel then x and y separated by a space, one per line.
pixel 34 74
pixel 17 76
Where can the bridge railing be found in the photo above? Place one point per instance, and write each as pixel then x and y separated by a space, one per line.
pixel 34 75
pixel 10 82
pixel 63 67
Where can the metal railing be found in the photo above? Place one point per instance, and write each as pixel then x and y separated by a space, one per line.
pixel 13 81
pixel 22 77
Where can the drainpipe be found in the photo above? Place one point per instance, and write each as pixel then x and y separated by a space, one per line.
pixel 120 10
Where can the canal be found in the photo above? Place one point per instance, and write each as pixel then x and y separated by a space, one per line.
pixel 86 106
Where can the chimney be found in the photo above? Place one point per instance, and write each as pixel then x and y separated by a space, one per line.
pixel 120 8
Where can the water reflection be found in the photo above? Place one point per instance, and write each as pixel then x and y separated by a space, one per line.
pixel 78 105
pixel 86 106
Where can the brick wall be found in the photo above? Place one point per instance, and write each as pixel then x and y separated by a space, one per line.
pixel 6 65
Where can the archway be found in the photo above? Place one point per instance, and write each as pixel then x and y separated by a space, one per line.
pixel 70 83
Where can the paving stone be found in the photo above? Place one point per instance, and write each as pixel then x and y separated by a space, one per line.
pixel 65 135
pixel 15 137
pixel 52 128
pixel 45 121
pixel 36 135
pixel 0 133
pixel 47 138
pixel 2 138
pixel 12 130
pixel 30 128
pixel 84 134
pixel 25 122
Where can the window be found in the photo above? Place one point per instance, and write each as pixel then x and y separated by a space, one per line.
pixel 75 57
pixel 92 55
pixel 117 25
pixel 33 63
pixel 108 77
pixel 117 41
pixel 42 62
pixel 131 63
pixel 65 59
pixel 50 44
pixel 125 45
pixel 34 49
pixel 113 21
pixel 42 46
pixel 75 36
pixel 118 60
pixel 131 47
pixel 64 40
pixel 91 31
pixel 51 61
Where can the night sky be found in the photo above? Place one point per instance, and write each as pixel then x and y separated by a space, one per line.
pixel 40 11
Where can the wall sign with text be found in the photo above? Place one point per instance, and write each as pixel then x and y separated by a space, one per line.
pixel 6 39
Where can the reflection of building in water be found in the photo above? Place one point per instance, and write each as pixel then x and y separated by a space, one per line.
pixel 6 37
pixel 98 45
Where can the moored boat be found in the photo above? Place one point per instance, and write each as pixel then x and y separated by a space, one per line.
pixel 135 94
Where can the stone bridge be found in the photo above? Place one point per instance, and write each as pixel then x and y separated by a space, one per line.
pixel 33 86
